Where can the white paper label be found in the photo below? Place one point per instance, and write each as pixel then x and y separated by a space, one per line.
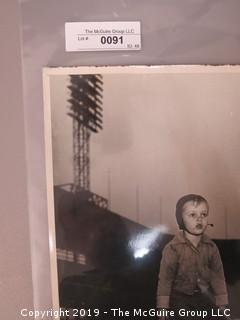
pixel 100 36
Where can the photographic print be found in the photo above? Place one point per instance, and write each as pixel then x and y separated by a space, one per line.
pixel 143 171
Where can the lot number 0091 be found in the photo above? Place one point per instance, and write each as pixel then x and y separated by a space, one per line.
pixel 111 40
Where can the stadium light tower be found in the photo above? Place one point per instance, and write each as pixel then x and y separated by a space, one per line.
pixel 86 112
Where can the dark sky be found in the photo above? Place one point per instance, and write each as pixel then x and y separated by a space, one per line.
pixel 164 135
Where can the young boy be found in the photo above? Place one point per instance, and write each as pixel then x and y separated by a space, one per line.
pixel 191 273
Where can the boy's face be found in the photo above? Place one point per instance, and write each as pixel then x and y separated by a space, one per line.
pixel 195 217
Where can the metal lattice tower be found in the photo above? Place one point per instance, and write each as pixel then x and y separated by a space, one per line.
pixel 81 168
pixel 86 111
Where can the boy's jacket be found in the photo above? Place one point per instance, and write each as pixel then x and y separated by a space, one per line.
pixel 185 268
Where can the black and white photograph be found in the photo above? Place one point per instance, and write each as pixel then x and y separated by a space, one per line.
pixel 143 169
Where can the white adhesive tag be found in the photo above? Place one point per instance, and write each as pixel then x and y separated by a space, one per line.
pixel 100 36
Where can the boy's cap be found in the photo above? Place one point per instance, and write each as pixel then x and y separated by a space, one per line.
pixel 181 202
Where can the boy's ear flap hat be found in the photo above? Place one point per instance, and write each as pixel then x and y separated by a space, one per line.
pixel 181 202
